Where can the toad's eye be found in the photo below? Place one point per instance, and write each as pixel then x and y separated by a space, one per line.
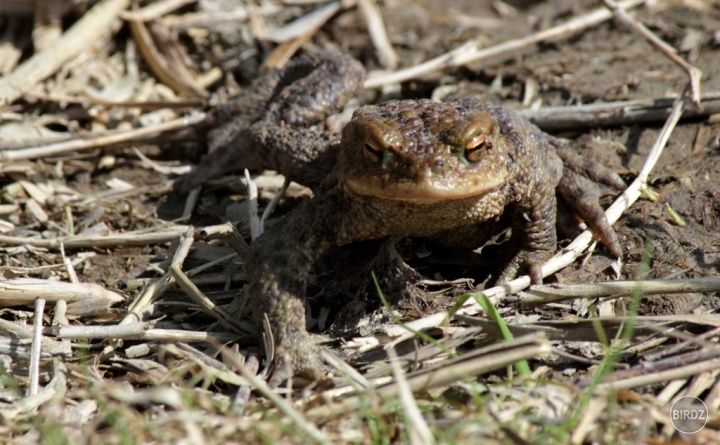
pixel 372 152
pixel 475 148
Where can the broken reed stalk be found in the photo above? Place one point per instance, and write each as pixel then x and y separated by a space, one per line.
pixel 36 347
pixel 560 292
pixel 626 112
pixel 94 28
pixel 206 304
pixel 82 297
pixel 99 141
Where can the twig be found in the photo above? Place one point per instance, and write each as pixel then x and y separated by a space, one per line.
pixel 93 29
pixel 36 347
pixel 155 289
pixel 205 304
pixel 136 238
pixel 229 233
pixel 141 331
pixel 274 202
pixel 418 429
pixel 23 291
pixel 256 227
pixel 559 292
pixel 308 22
pixel 693 73
pixel 471 51
pixel 101 141
pixel 617 113
pixel 468 365
pixel 661 376
pixel 378 34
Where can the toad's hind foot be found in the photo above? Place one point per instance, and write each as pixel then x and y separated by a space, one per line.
pixel 297 356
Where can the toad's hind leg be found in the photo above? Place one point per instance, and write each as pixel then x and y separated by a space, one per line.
pixel 277 122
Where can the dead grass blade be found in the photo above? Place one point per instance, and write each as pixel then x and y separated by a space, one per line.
pixel 473 363
pixel 206 304
pixel 94 29
pixel 84 298
pixel 102 140
pixel 134 238
pixel 36 347
pixel 418 429
pixel 543 294
pixel 617 113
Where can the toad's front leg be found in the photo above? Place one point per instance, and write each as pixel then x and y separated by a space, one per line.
pixel 534 216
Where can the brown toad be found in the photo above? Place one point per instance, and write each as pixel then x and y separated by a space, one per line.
pixel 402 168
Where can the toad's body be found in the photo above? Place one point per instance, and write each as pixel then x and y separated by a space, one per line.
pixel 410 168
pixel 402 168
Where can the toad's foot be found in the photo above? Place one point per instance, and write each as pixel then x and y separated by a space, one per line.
pixel 580 189
pixel 297 355
pixel 525 260
pixel 583 196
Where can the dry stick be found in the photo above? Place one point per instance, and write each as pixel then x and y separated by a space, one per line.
pixel 560 292
pixel 141 331
pixel 378 34
pixel 154 10
pixel 670 52
pixel 657 377
pixel 205 304
pixel 575 249
pixel 100 141
pixel 474 363
pixel 174 75
pixel 155 289
pixel 23 291
pixel 617 113
pixel 256 228
pixel 274 202
pixel 307 23
pixel 68 266
pixel 229 233
pixel 36 347
pixel 136 238
pixel 418 429
pixel 471 51
pixel 93 29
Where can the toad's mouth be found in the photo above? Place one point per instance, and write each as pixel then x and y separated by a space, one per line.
pixel 423 192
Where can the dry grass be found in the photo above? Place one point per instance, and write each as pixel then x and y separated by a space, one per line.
pixel 143 363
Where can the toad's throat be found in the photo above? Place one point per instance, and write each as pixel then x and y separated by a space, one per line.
pixel 426 191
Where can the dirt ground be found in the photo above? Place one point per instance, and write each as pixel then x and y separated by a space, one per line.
pixel 674 235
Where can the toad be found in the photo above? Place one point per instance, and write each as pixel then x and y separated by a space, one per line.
pixel 402 168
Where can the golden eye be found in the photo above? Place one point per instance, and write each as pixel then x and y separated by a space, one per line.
pixel 475 148
pixel 372 153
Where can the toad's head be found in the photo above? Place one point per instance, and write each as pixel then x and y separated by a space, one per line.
pixel 422 151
